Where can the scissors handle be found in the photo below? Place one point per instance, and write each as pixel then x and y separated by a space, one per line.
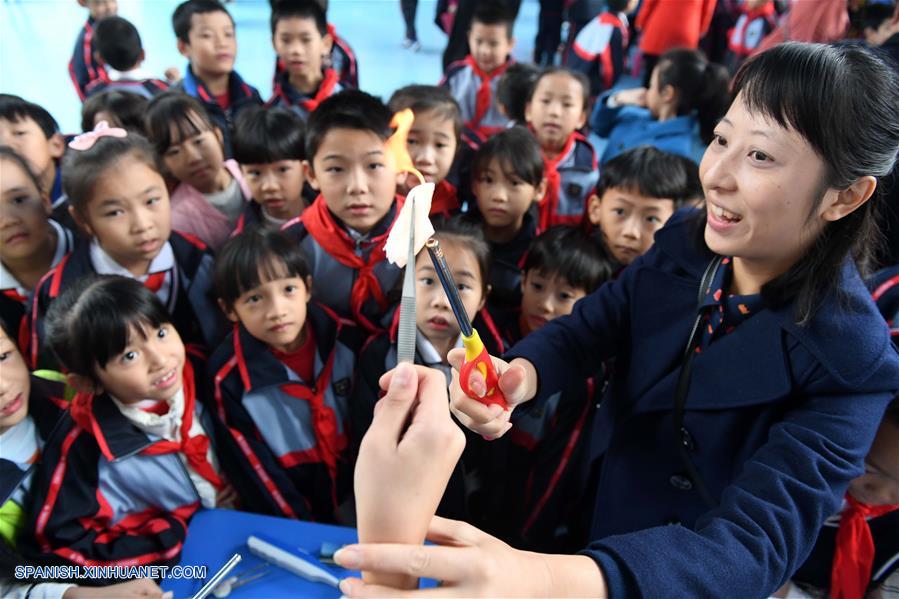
pixel 476 357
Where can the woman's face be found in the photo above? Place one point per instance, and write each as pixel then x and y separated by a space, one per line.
pixel 761 182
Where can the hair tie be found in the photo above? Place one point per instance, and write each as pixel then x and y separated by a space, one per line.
pixel 86 141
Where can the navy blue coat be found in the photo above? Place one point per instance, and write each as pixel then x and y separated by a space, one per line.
pixel 778 417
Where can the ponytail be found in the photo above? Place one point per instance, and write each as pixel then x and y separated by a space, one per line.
pixel 701 86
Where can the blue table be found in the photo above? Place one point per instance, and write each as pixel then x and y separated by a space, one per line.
pixel 215 535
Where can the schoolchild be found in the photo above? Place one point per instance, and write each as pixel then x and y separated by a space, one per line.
pixel 301 40
pixel 118 48
pixel 600 49
pixel 735 418
pixel 206 37
pixel 211 193
pixel 30 130
pixel 513 90
pixel 687 95
pixel 555 112
pixel 432 142
pixel 119 200
pixel 269 146
pixel 472 81
pixel 142 457
pixel 637 193
pixel 31 243
pixel 343 232
pixel 84 66
pixel 117 108
pixel 757 18
pixel 283 376
pixel 508 183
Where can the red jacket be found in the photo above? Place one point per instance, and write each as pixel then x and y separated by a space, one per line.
pixel 668 24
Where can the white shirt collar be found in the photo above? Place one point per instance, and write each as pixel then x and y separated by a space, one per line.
pixel 20 443
pixel 427 350
pixel 104 264
pixel 137 74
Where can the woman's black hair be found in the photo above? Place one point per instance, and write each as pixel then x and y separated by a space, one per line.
pixel 425 98
pixel 10 154
pixel 92 320
pixel 652 173
pixel 701 86
pixel 127 108
pixel 253 257
pixel 176 111
pixel 81 169
pixel 517 151
pixel 468 234
pixel 514 88
pixel 571 254
pixel 576 75
pixel 265 135
pixel 842 100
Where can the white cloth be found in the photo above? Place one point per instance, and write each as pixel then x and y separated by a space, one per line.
pixel 397 246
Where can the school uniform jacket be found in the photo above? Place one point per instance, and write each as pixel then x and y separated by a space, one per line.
pixel 777 421
pixel 146 88
pixel 475 91
pixel 506 262
pixel 600 51
pixel 571 178
pixel 189 298
pixel 296 430
pixel 287 96
pixel 242 96
pixel 343 60
pixel 83 68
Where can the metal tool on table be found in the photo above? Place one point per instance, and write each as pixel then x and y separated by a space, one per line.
pixel 408 326
pixel 301 565
pixel 224 588
pixel 218 577
pixel 476 356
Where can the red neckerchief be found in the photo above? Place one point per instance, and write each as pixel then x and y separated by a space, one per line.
pixel 549 205
pixel 325 89
pixel 320 224
pixel 484 93
pixel 445 202
pixel 155 281
pixel 302 359
pixel 15 296
pixel 854 554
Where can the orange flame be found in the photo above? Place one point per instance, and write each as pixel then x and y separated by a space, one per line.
pixel 396 143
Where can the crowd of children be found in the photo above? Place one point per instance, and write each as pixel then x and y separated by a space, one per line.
pixel 197 308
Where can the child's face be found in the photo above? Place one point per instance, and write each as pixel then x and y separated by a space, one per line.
pixel 628 221
pixel 100 9
pixel 149 367
pixel 355 177
pixel 490 45
pixel 212 45
pixel 277 187
pixel 434 317
pixel 503 197
pixel 545 297
pixel 128 212
pixel 274 312
pixel 300 47
pixel 24 230
pixel 197 160
pixel 879 485
pixel 556 110
pixel 15 384
pixel 432 145
pixel 27 138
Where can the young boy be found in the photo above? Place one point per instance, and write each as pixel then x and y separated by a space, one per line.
pixel 83 66
pixel 268 144
pixel 283 376
pixel 472 81
pixel 30 130
pixel 301 40
pixel 556 110
pixel 344 230
pixel 432 141
pixel 600 49
pixel 118 49
pixel 637 193
pixel 205 32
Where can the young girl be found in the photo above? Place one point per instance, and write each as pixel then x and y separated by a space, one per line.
pixel 283 378
pixel 751 371
pixel 687 95
pixel 140 460
pixel 556 110
pixel 31 243
pixel 211 193
pixel 119 199
pixel 508 181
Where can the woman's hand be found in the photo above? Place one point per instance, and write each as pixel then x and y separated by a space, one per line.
pixel 470 563
pixel 633 97
pixel 405 461
pixel 517 381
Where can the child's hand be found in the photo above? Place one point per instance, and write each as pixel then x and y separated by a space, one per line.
pixel 634 97
pixel 172 75
pixel 140 587
pixel 517 381
pixel 405 461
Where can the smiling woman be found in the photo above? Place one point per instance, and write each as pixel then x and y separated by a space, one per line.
pixel 750 367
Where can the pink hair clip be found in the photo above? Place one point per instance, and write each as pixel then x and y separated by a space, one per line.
pixel 86 141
